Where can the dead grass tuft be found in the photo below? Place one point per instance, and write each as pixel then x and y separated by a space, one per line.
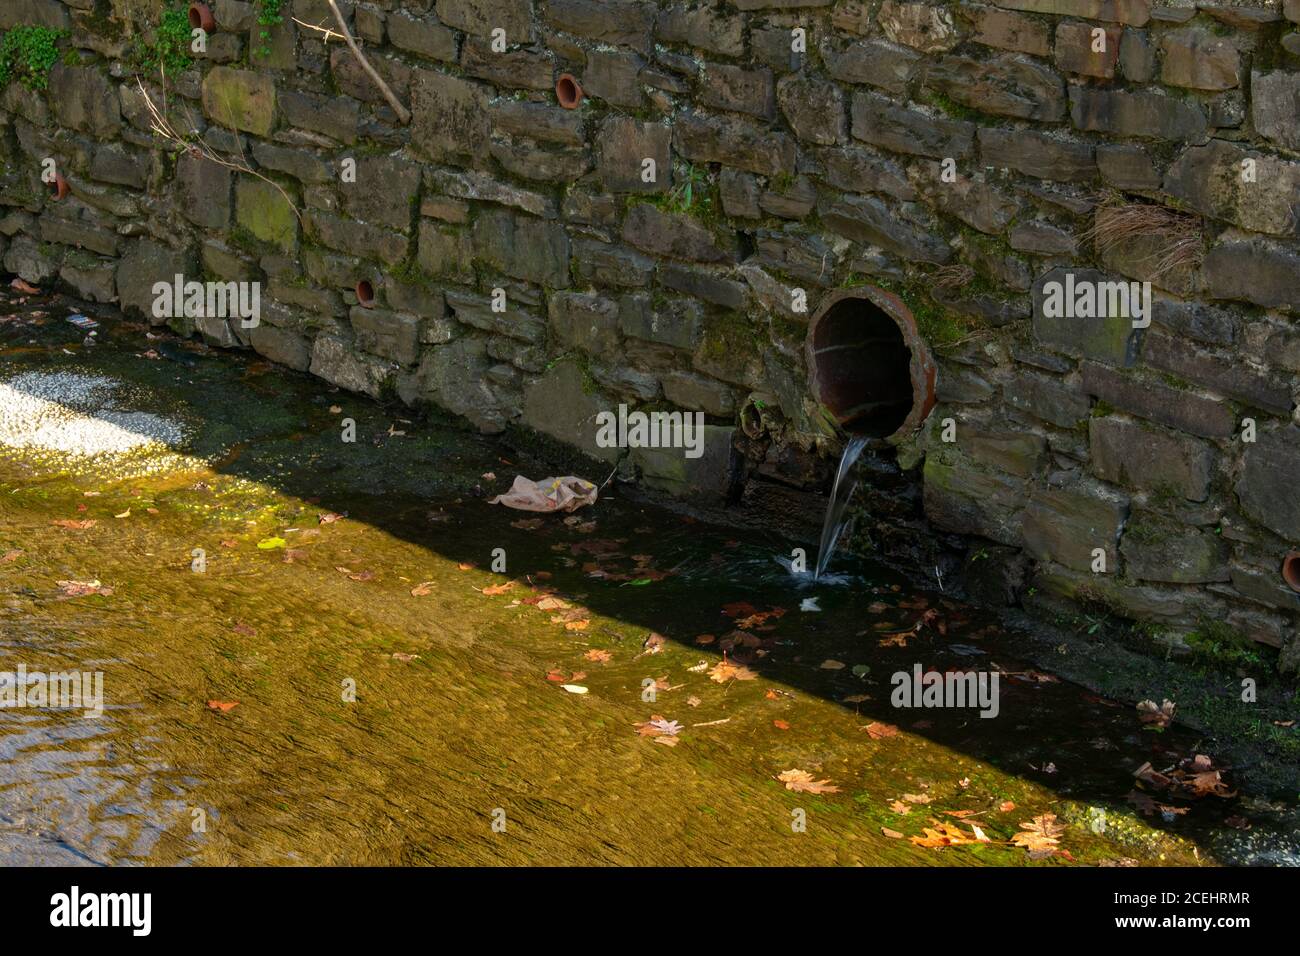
pixel 1174 239
pixel 953 276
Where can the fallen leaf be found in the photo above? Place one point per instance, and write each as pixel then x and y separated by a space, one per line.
pixel 225 706
pixel 329 517
pixel 124 514
pixel 494 589
pixel 1039 835
pixel 725 670
pixel 941 835
pixel 354 575
pixel 892 834
pixel 423 588
pixel 599 656
pixel 780 724
pixel 11 556
pixel 574 688
pixel 877 731
pixel 802 782
pixel 663 731
pixel 399 656
pixel 832 665
pixel 75 525
pixel 1157 718
pixel 84 588
pixel 267 544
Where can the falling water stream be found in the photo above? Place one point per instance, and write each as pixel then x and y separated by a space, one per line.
pixel 833 525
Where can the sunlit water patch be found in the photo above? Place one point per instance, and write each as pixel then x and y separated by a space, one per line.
pixel 84 420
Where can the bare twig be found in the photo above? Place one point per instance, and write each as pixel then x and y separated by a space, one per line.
pixel 403 114
pixel 163 128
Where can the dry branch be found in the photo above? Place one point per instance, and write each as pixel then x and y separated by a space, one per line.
pixel 403 114
pixel 196 145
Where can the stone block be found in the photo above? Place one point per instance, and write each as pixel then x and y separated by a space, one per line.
pixel 1007 84
pixel 390 335
pixel 1138 114
pixel 1195 58
pixel 1144 458
pixel 522 247
pixel 84 99
pixel 967 500
pixel 1037 154
pixel 707 138
pixel 240 99
pixel 585 321
pixel 1208 179
pixel 1065 525
pixel 203 191
pixel 622 147
pixel 481 17
pixel 1103 332
pixel 1156 401
pixel 1254 271
pixel 878 121
pixel 1266 488
pixel 262 209
pixel 1087 49
pixel 450 119
pixel 672 235
pixel 1156 549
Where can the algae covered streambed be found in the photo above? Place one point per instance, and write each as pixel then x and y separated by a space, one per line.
pixel 308 659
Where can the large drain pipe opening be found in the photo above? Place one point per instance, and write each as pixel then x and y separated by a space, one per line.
pixel 868 364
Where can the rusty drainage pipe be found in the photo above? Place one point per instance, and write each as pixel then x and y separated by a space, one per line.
pixel 201 17
pixel 1291 570
pixel 568 91
pixel 59 188
pixel 868 365
pixel 365 294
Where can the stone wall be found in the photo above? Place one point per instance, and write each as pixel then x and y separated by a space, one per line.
pixel 961 155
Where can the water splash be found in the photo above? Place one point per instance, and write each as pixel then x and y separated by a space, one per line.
pixel 841 492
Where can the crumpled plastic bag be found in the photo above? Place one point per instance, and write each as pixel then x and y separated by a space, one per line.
pixel 550 494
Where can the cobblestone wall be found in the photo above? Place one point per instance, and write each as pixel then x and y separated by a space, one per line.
pixel 534 265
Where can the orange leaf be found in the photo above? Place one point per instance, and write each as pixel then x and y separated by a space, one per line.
pixel 225 706
pixel 876 730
